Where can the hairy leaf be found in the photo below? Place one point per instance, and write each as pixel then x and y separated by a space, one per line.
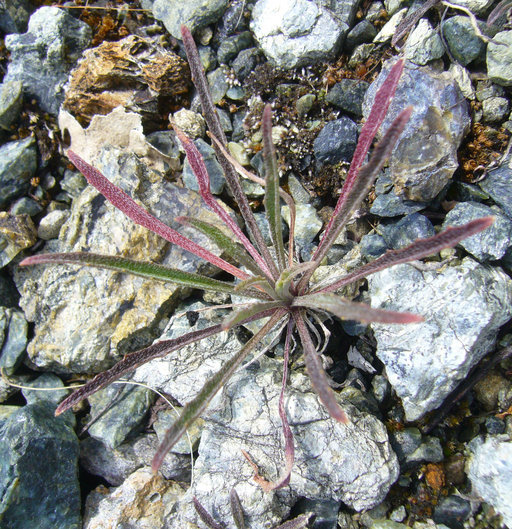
pixel 249 312
pixel 301 522
pixel 236 509
pixel 205 516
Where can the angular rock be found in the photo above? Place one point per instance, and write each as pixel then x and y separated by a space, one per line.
pixel 425 156
pixel 490 473
pixel 406 230
pixel 498 184
pixel 423 44
pixel 43 57
pixel 18 164
pixel 17 232
pixel 194 14
pixel 296 33
pixel 463 307
pixel 463 43
pixel 143 500
pixel 490 244
pixel 14 15
pixel 348 95
pixel 333 462
pixel 336 141
pixel 308 223
pixel 11 99
pixel 50 225
pixel 13 339
pixel 134 73
pixel 47 493
pixel 499 59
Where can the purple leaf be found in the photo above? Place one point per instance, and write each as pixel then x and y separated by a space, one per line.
pixel 205 516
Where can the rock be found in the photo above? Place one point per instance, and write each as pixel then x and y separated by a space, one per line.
pixel 423 44
pixel 215 172
pixel 207 57
pixel 296 33
pixel 391 205
pixel 498 184
pixel 47 491
pixel 50 225
pixel 134 73
pixel 118 411
pixel 48 380
pixel 73 183
pixel 43 57
pixel 230 47
pixel 307 222
pixel 218 84
pixel 348 95
pixel 389 28
pixel 304 104
pixel 8 294
pixel 11 99
pixel 143 500
pixel 18 164
pixel 363 31
pixel 490 473
pixel 13 339
pixel 115 465
pixel 499 59
pixel 194 14
pixel 452 511
pixel 326 512
pixel 17 232
pixel 463 43
pixel 490 244
pixel 26 206
pixel 425 156
pixel 191 123
pixel 329 464
pixel 245 63
pixel 14 15
pixel 373 245
pixel 463 307
pixel 76 330
pixel 406 231
pixel 495 109
pixel 478 7
pixel 336 141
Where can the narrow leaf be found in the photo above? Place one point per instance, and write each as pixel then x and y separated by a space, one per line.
pixel 203 179
pixel 301 522
pixel 139 268
pixel 195 407
pixel 283 284
pixel 377 114
pixel 272 202
pixel 247 312
pixel 140 216
pixel 213 121
pixel 316 371
pixel 417 250
pixel 408 22
pixel 350 310
pixel 236 509
pixel 205 516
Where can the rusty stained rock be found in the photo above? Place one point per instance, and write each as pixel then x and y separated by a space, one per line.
pixel 134 73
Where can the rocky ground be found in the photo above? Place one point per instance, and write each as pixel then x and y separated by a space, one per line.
pixel 429 444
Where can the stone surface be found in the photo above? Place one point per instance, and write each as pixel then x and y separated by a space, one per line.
pixel 498 184
pixel 11 99
pixel 14 15
pixel 490 244
pixel 423 44
pixel 43 57
pixel 308 224
pixel 50 225
pixel 463 43
pixel 45 495
pixel 143 501
pixel 191 123
pixel 499 59
pixel 295 33
pixel 490 473
pixel 17 232
pixel 406 230
pixel 215 172
pixel 336 141
pixel 18 164
pixel 13 339
pixel 134 73
pixel 463 307
pixel 194 14
pixel 425 156
pixel 348 95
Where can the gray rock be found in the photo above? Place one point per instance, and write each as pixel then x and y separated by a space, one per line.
pixel 17 232
pixel 499 59
pixel 330 465
pixel 208 58
pixel 47 491
pixel 26 206
pixel 348 95
pixel 405 442
pixel 490 244
pixel 490 473
pixel 495 109
pixel 304 104
pixel 118 411
pixel 336 141
pixel 296 33
pixel 498 184
pixel 194 14
pixel 373 245
pixel 13 339
pixel 85 318
pixel 452 511
pixel 47 380
pixel 423 44
pixel 478 7
pixel 261 219
pixel 391 205
pixel 143 500
pixel 389 28
pixel 230 47
pixel 217 178
pixel 43 57
pixel 218 84
pixel 191 123
pixel 463 307
pixel 245 63
pixel 425 156
pixel 115 465
pixel 308 224
pixel 50 225
pixel 326 512
pixel 14 15
pixel 406 231
pixel 363 31
pixel 18 164
pixel 8 293
pixel 11 99
pixel 463 43
pixel 73 183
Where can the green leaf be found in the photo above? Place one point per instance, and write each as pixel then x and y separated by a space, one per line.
pixel 248 312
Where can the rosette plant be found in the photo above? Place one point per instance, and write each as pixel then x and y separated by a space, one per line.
pixel 276 285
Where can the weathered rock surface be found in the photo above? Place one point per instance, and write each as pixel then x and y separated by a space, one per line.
pixel 463 307
pixel 17 232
